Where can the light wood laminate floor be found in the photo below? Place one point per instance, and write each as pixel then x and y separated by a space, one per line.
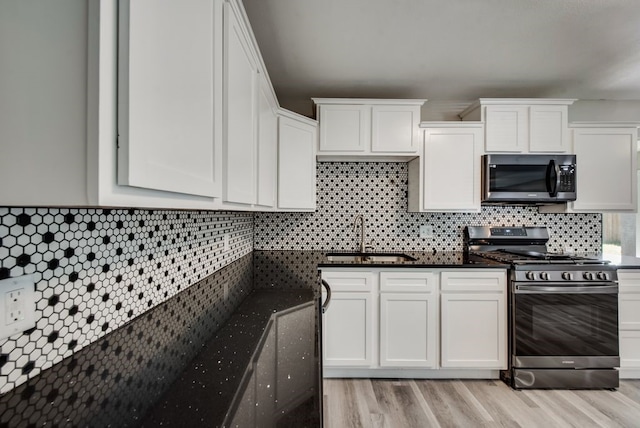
pixel 474 403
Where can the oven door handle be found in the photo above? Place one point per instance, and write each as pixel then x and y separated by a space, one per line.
pixel 550 289
pixel 327 287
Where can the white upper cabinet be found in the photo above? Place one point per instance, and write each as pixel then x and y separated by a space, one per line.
pixel 134 93
pixel 522 125
pixel 506 128
pixel 446 177
pixel 395 129
pixel 606 171
pixel 240 112
pixel 267 146
pixel 365 129
pixel 344 128
pixel 297 139
pixel 168 109
pixel 606 176
pixel 548 130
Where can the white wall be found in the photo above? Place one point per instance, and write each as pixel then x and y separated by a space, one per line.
pixel 43 86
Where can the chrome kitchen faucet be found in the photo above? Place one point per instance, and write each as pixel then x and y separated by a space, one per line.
pixel 363 246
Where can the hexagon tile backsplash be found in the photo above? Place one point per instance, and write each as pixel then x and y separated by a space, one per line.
pixel 378 190
pixel 97 269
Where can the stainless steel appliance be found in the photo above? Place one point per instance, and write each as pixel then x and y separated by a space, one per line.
pixel 528 179
pixel 563 310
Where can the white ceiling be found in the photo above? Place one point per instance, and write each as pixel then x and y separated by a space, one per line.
pixel 448 49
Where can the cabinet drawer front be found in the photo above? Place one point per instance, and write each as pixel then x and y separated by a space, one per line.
pixel 629 281
pixel 349 281
pixel 474 280
pixel 413 282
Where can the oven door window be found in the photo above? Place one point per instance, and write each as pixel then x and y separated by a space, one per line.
pixel 518 178
pixel 565 324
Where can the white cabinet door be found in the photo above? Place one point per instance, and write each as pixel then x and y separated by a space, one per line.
pixel 506 128
pixel 267 146
pixel 296 164
pixel 629 352
pixel 606 175
pixel 408 330
pixel 168 96
pixel 240 101
pixel 344 128
pixel 473 330
pixel 451 169
pixel 548 130
pixel 629 322
pixel 348 330
pixel 366 129
pixel 395 128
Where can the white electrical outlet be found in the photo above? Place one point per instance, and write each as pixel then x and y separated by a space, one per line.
pixel 426 231
pixel 18 304
pixel 226 242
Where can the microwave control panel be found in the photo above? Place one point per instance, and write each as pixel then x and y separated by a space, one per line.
pixel 567 178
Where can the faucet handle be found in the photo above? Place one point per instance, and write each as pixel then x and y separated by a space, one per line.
pixel 368 246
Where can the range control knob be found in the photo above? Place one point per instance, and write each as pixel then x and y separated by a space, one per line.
pixel 603 276
pixel 544 276
pixel 531 275
pixel 567 275
pixel 588 276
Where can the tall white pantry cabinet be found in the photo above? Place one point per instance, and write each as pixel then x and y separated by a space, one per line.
pixel 178 112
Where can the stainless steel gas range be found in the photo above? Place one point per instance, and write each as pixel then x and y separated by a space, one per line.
pixel 563 310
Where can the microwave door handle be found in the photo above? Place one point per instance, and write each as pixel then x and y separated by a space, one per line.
pixel 553 183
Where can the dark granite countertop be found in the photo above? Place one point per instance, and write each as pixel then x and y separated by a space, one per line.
pixel 431 259
pixel 284 282
pixel 205 391
pixel 623 262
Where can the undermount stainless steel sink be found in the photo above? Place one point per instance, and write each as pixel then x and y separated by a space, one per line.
pixel 369 257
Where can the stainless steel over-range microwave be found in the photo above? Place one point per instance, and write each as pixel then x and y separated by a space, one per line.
pixel 528 178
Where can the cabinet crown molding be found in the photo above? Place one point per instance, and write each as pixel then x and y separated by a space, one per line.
pixel 373 101
pixel 516 101
pixel 607 124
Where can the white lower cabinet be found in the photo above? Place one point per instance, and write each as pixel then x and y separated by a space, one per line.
pixel 629 323
pixel 416 323
pixel 408 319
pixel 478 343
pixel 348 324
pixel 473 319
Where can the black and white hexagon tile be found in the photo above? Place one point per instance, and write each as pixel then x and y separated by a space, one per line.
pixel 97 269
pixel 378 190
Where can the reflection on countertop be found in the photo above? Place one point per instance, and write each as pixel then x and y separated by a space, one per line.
pixel 260 369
